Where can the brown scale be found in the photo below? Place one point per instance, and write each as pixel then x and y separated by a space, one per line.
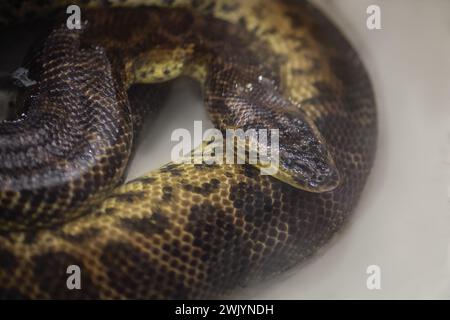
pixel 190 231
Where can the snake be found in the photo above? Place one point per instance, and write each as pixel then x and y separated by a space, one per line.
pixel 185 230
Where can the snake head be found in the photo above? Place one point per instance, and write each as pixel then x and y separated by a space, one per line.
pixel 299 155
pixel 305 161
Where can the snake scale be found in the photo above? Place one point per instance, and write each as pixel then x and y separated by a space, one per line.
pixel 184 230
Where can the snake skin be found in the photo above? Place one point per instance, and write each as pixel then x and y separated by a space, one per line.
pixel 184 230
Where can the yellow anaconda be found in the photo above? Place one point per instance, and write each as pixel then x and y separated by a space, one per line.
pixel 185 230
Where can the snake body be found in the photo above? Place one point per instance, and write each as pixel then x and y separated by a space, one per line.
pixel 184 230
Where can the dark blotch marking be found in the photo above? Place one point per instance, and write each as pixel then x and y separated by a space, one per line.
pixel 173 169
pixel 295 18
pixel 167 193
pixel 224 249
pixel 110 211
pixel 30 236
pixel 202 167
pixel 144 279
pixel 250 171
pixel 129 196
pixel 243 22
pixel 8 261
pixel 144 180
pixel 205 189
pixel 148 226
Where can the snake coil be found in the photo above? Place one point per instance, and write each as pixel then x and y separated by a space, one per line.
pixel 184 230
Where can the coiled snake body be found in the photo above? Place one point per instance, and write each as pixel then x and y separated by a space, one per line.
pixel 185 230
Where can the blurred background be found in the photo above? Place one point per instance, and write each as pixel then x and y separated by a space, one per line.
pixel 402 223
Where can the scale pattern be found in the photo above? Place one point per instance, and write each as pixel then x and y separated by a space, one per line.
pixel 184 230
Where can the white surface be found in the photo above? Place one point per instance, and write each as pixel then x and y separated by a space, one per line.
pixel 403 221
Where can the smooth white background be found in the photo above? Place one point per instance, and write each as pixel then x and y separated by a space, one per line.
pixel 403 221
